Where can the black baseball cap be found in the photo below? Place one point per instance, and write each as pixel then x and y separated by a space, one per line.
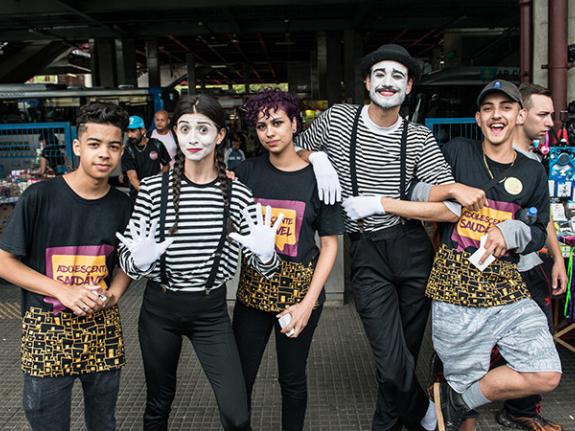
pixel 392 52
pixel 501 86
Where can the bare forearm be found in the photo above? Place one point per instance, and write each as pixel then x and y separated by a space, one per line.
pixel 120 282
pixel 425 211
pixel 553 242
pixel 134 181
pixel 325 263
pixel 440 193
pixel 14 271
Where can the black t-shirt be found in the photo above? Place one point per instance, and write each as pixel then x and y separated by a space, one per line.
pixel 523 186
pixel 145 161
pixel 295 195
pixel 59 234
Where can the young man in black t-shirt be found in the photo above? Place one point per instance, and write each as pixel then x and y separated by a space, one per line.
pixel 476 308
pixel 143 156
pixel 60 248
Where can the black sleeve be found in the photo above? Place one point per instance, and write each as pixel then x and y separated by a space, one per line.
pixel 164 155
pixel 330 220
pixel 16 237
pixel 539 200
pixel 128 162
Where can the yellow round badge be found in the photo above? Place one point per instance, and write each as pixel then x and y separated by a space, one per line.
pixel 513 186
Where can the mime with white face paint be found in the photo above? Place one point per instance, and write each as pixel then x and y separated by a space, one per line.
pixel 377 153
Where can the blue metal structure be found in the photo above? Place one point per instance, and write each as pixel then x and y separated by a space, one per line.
pixel 445 129
pixel 20 147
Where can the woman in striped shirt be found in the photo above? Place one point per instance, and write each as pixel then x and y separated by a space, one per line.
pixel 197 208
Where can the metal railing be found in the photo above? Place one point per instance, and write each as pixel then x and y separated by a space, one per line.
pixel 20 144
pixel 445 129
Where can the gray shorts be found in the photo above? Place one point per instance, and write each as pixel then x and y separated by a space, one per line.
pixel 463 338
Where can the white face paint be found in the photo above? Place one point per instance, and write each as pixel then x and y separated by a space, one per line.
pixel 197 136
pixel 388 84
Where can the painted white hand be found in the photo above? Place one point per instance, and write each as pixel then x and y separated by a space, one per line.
pixel 359 207
pixel 262 236
pixel 143 247
pixel 328 186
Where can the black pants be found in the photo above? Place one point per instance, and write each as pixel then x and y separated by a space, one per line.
pixel 167 316
pixel 538 286
pixel 389 275
pixel 253 328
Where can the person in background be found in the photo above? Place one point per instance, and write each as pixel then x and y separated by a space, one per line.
pixel 143 156
pixel 52 156
pixel 163 132
pixel 234 156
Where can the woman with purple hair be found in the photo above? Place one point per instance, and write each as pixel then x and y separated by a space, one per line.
pixel 290 303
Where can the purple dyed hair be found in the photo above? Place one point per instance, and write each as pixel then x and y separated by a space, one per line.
pixel 269 99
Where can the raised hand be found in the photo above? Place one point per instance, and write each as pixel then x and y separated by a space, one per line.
pixel 143 247
pixel 262 235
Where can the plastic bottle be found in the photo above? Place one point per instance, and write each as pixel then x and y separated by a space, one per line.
pixel 528 215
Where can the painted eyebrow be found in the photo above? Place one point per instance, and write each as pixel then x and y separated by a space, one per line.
pixel 197 122
pixel 393 71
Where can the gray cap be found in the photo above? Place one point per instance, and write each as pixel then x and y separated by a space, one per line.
pixel 501 86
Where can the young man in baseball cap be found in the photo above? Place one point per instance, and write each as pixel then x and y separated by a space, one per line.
pixel 479 297
pixel 143 156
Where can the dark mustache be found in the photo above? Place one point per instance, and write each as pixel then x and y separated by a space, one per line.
pixel 387 88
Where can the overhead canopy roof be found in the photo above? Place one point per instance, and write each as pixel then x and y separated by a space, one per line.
pixel 264 33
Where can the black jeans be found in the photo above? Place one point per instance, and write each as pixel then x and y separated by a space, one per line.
pixel 253 328
pixel 538 285
pixel 165 318
pixel 389 271
pixel 47 401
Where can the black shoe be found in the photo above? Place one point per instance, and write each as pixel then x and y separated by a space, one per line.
pixel 449 407
pixel 530 423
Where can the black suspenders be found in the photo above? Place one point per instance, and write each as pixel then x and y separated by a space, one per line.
pixel 218 254
pixel 352 162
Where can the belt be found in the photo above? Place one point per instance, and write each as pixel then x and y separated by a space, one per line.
pixel 388 232
pixel 156 285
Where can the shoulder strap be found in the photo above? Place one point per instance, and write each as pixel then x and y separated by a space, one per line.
pixel 352 151
pixel 403 161
pixel 163 208
pixel 218 255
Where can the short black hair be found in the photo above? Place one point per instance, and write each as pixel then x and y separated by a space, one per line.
pixel 528 90
pixel 102 113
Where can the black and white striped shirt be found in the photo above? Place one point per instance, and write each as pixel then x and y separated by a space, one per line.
pixel 377 158
pixel 190 257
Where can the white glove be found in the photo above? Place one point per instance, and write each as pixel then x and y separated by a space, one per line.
pixel 261 240
pixel 144 248
pixel 328 186
pixel 362 206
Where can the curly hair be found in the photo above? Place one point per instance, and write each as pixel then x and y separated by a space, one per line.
pixel 102 113
pixel 211 108
pixel 272 99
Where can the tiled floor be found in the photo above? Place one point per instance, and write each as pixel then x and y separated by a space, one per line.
pixel 341 379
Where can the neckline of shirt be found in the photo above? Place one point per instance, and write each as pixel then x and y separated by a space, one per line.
pixel 370 124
